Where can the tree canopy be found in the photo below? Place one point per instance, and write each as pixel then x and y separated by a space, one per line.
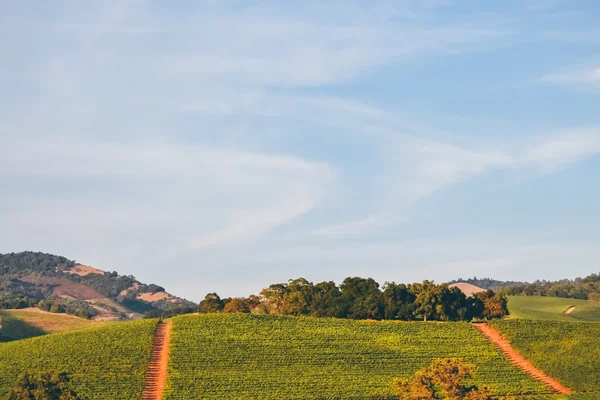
pixel 52 385
pixel 363 298
pixel 444 379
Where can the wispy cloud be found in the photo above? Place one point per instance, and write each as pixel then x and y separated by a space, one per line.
pixel 587 78
pixel 419 168
pixel 227 195
pixel 560 150
pixel 293 54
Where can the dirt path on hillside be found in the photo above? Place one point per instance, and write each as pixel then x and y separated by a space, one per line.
pixel 518 360
pixel 156 376
pixel 570 310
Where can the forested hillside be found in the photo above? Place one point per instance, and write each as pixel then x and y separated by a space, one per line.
pixel 59 285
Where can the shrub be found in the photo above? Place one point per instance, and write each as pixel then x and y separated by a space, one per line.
pixel 51 385
pixel 443 379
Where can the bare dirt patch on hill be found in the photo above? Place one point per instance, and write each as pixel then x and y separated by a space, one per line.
pixel 83 270
pixel 152 297
pixel 468 289
pixel 64 287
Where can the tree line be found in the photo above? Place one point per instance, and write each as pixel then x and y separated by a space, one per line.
pixel 363 298
pixel 587 288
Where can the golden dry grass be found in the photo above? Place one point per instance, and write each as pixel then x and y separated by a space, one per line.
pixel 50 322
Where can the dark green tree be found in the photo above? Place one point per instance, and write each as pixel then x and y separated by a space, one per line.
pixel 298 297
pixel 328 301
pixel 398 301
pixel 362 298
pixel 45 305
pixel 439 302
pixel 212 303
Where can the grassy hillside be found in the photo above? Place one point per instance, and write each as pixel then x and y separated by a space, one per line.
pixel 50 322
pixel 104 363
pixel 14 328
pixel 553 308
pixel 567 351
pixel 28 323
pixel 236 356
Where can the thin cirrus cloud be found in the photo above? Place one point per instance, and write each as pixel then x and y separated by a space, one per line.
pixel 587 78
pixel 274 188
pixel 419 168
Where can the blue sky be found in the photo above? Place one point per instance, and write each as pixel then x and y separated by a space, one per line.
pixel 226 145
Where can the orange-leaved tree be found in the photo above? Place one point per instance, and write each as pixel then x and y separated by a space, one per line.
pixel 443 379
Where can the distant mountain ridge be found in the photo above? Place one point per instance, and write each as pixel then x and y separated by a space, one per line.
pixel 57 284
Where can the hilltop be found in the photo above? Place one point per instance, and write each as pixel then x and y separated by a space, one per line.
pixel 553 309
pixel 59 285
pixel 467 288
pixel 486 283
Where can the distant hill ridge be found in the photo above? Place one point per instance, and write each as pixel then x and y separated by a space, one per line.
pixel 587 288
pixel 487 283
pixel 57 284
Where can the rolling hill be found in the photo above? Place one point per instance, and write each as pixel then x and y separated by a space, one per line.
pixel 105 363
pixel 245 356
pixel 569 351
pixel 261 356
pixel 32 322
pixel 250 356
pixel 553 308
pixel 27 278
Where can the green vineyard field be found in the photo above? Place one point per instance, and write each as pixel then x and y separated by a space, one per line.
pixel 567 351
pixel 104 363
pixel 235 356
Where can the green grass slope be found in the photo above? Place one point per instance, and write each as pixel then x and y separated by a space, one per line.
pixel 567 351
pixel 553 308
pixel 104 363
pixel 234 356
